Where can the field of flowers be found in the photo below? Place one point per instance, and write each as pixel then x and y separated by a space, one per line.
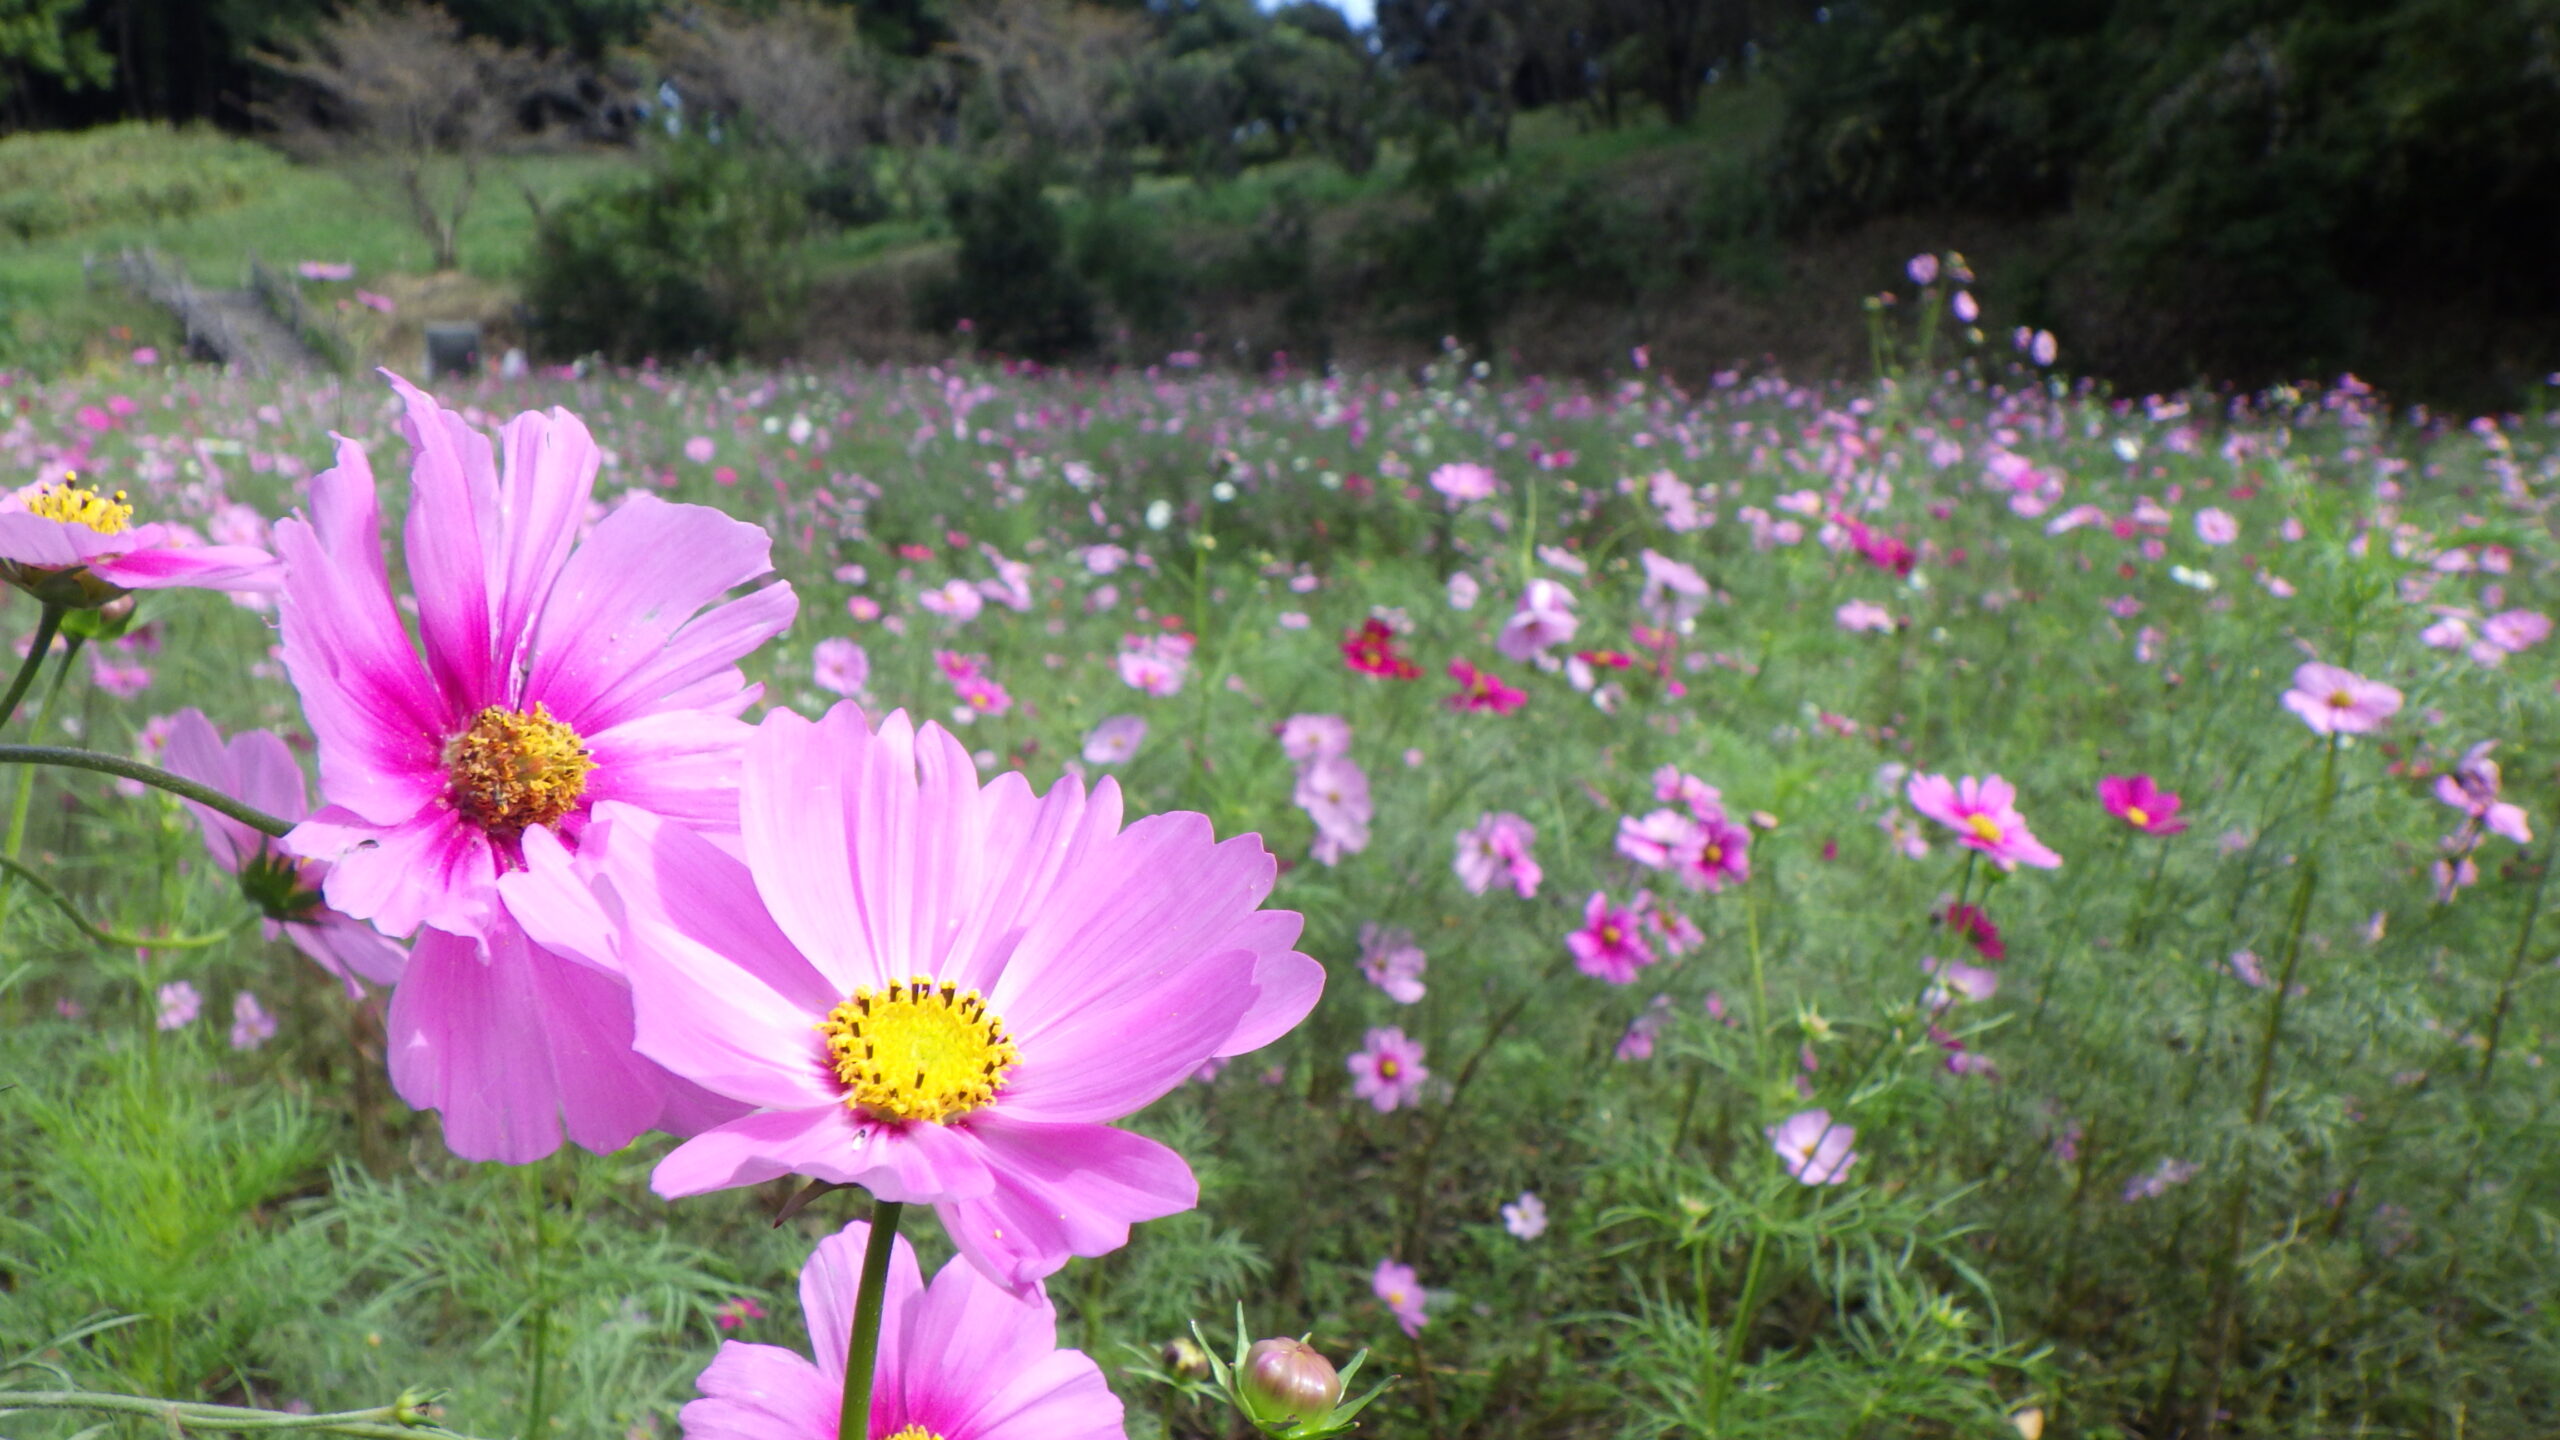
pixel 1962 906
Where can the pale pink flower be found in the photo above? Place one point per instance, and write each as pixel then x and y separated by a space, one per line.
pixel 1984 814
pixel 1673 592
pixel 1649 840
pixel 1155 664
pixel 2216 526
pixel 2472 787
pixel 2167 1173
pixel 1387 1070
pixel 1463 591
pixel 699 449
pixel 1334 791
pixel 1857 615
pixel 251 1025
pixel 2514 631
pixel 1526 1217
pixel 1544 620
pixel 1314 737
pixel 1462 482
pixel 1114 740
pixel 1400 1290
pixel 1814 1150
pixel 1392 962
pixel 1496 851
pixel 956 600
pixel 838 666
pixel 179 1005
pixel 2333 701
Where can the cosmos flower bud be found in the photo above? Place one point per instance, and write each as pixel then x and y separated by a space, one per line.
pixel 1289 1380
pixel 1186 1359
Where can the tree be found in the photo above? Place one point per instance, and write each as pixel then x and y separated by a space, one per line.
pixel 399 95
pixel 38 37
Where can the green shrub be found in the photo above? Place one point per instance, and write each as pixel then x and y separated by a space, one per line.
pixel 55 182
pixel 700 257
pixel 1121 249
pixel 1012 280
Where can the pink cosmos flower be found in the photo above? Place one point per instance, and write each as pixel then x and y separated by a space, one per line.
pixel 179 1005
pixel 838 666
pixel 1610 945
pixel 1497 850
pixel 2333 701
pixel 251 1025
pixel 1387 1070
pixel 1463 591
pixel 699 449
pixel 556 674
pixel 956 600
pixel 257 769
pixel 1643 1031
pixel 1526 1217
pixel 1400 1290
pixel 1392 961
pixel 1649 839
pixel 1463 481
pixel 2512 632
pixel 1814 1150
pixel 1958 981
pixel 959 1360
pixel 2138 802
pixel 1155 664
pixel 1114 740
pixel 939 990
pixel 2472 787
pixel 1334 791
pixel 1857 615
pixel 547 675
pixel 1483 690
pixel 1713 853
pixel 2216 527
pixel 1314 737
pixel 1984 814
pixel 70 545
pixel 1543 621
pixel 735 1312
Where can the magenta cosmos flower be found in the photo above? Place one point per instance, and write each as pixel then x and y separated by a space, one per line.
pixel 1611 944
pixel 2333 701
pixel 2139 803
pixel 69 545
pixel 1984 814
pixel 1387 1070
pixel 257 770
pixel 939 991
pixel 960 1359
pixel 555 674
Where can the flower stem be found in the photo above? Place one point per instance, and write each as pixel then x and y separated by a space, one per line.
pixel 152 775
pixel 2515 969
pixel 114 939
pixel 2236 1214
pixel 862 1348
pixel 27 782
pixel 46 624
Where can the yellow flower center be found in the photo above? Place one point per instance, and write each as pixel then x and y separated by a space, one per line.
pixel 1610 935
pixel 2136 815
pixel 512 770
pixel 1389 1069
pixel 1984 828
pixel 918 1049
pixel 2341 700
pixel 913 1432
pixel 73 503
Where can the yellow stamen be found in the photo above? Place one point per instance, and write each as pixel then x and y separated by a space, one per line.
pixel 512 770
pixel 2136 816
pixel 1984 828
pixel 2341 700
pixel 913 1432
pixel 1389 1069
pixel 918 1049
pixel 76 504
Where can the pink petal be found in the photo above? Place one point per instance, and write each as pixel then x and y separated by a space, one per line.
pixel 1103 1063
pixel 451 537
pixel 432 870
pixel 550 468
pixel 682 764
pixel 509 1044
pixel 200 567
pixel 1060 1191
pixel 831 1280
pixel 761 1392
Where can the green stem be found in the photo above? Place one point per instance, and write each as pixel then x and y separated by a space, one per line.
pixel 408 1418
pixel 862 1347
pixel 1746 1309
pixel 152 775
pixel 115 939
pixel 2261 1088
pixel 27 781
pixel 46 624
pixel 2515 969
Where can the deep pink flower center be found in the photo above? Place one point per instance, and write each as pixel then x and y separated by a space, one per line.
pixel 918 1049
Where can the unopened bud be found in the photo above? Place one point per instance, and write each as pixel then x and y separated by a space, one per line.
pixel 1289 1380
pixel 1185 1359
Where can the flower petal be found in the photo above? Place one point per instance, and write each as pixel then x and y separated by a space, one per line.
pixel 1060 1191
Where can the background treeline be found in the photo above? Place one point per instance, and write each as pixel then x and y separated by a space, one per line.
pixel 2181 188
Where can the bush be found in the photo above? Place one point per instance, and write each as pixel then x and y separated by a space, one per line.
pixel 1012 280
pixel 1121 250
pixel 701 257
pixel 53 183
